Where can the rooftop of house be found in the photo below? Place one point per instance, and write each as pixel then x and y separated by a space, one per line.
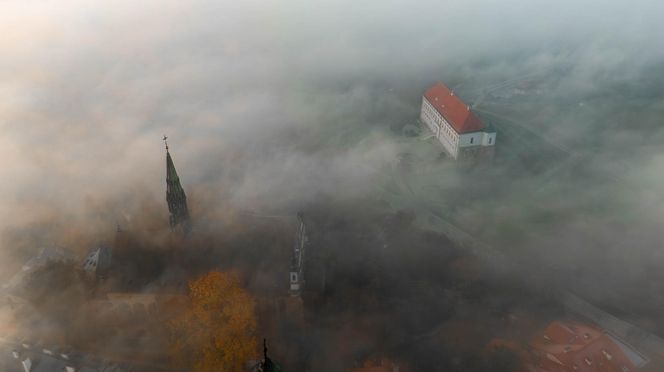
pixel 574 347
pixel 29 358
pixel 453 109
pixel 379 364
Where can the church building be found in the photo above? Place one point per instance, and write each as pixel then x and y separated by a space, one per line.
pixel 453 123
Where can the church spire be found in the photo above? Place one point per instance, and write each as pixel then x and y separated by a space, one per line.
pixel 267 365
pixel 175 196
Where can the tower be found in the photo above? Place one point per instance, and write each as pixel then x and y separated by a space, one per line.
pixel 267 365
pixel 176 198
pixel 297 261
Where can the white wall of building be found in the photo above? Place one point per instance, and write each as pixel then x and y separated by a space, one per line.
pixel 440 127
pixel 446 134
pixel 471 139
pixel 489 139
pixel 427 115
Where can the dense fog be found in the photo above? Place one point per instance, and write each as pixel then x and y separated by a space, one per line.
pixel 277 107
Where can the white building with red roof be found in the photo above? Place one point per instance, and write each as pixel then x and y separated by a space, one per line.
pixel 453 123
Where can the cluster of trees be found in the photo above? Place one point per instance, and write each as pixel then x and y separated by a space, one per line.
pixel 414 294
pixel 217 332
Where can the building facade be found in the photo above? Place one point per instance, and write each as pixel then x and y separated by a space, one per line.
pixel 462 134
pixel 297 261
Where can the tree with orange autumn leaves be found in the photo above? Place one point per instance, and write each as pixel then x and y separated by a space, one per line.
pixel 217 331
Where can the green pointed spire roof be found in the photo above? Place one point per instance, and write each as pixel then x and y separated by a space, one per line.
pixel 175 196
pixel 172 178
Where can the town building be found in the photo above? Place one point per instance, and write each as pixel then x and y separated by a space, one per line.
pixel 378 363
pixel 297 261
pixel 24 357
pixel 462 134
pixel 575 347
pixel 44 256
pixel 143 307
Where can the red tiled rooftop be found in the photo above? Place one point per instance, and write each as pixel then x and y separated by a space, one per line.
pixel 371 369
pixel 573 347
pixel 452 108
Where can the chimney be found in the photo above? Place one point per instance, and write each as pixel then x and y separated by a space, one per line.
pixel 451 92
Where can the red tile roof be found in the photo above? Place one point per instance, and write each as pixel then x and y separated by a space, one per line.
pixel 371 369
pixel 573 347
pixel 382 365
pixel 452 108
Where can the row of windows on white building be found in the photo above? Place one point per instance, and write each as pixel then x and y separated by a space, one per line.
pixel 434 117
